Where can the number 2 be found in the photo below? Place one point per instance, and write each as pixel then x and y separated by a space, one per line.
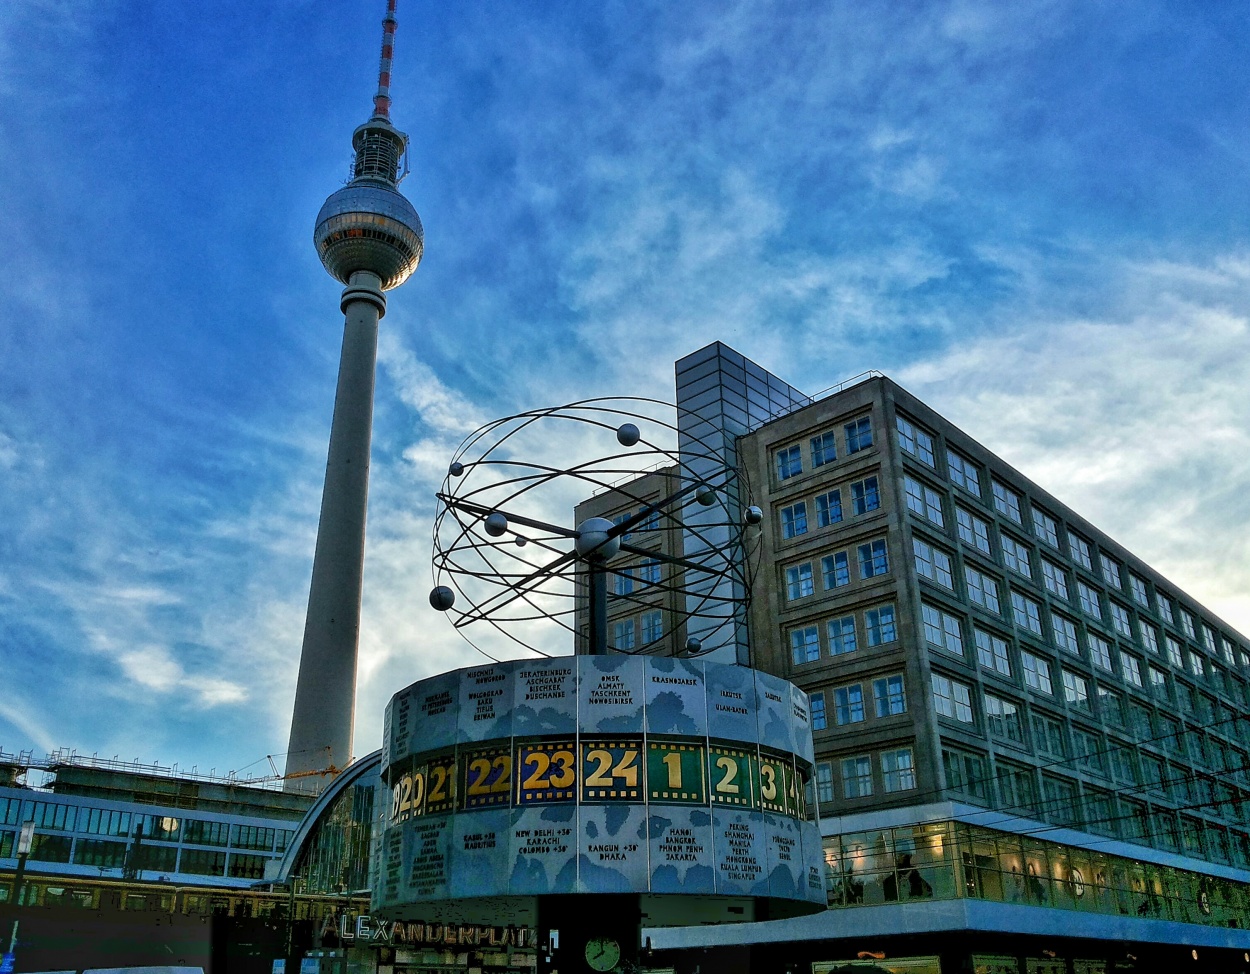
pixel 726 785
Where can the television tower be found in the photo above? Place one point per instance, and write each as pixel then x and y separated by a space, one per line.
pixel 369 237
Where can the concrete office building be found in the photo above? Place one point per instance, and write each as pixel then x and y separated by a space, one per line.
pixel 1031 747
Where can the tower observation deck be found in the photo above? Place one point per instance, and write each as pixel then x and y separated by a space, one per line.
pixel 370 238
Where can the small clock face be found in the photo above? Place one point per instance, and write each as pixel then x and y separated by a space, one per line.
pixel 602 953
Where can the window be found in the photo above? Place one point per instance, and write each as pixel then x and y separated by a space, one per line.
pixel 898 771
pixel 1002 719
pixel 1111 707
pixel 1026 613
pixel 1048 736
pixel 1110 570
pixel 923 500
pixel 857 777
pixel 621 519
pixel 1149 636
pixel 1120 619
pixel 841 636
pixel 1080 551
pixel 1155 774
pixel 817 701
pixel 1088 598
pixel 972 530
pixel 982 590
pixel 1036 673
pixel 1088 752
pixel 1065 634
pixel 1006 501
pixel 1123 767
pixel 963 473
pixel 1055 579
pixel 1016 787
pixel 247 867
pixel 942 630
pixel 101 821
pixel 1208 639
pixel 1130 668
pixel 47 815
pixel 933 563
pixel 789 462
pixel 1159 683
pixel 1138 587
pixel 848 704
pixel 880 625
pixel 623 635
pixel 1100 652
pixel 828 508
pixel 865 495
pixel 1174 653
pixel 251 837
pixel 651 522
pixel 652 626
pixel 794 520
pixel 824 449
pixel 649 571
pixel 873 560
pixel 100 852
pixel 1226 649
pixel 799 582
pixel 200 862
pixel 824 781
pixel 1197 666
pixel 952 699
pixel 1165 609
pixel 1187 623
pixel 835 570
pixel 805 645
pixel 623 581
pixel 1016 556
pixel 1045 528
pixel 992 652
pixel 914 441
pixel 965 773
pixel 888 696
pixel 1075 691
pixel 858 435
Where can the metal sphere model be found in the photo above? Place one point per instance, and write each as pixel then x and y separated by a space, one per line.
pixel 507 547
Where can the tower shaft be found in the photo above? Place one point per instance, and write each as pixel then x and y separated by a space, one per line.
pixel 325 694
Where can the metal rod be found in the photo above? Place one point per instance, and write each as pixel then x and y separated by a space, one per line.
pixel 598 607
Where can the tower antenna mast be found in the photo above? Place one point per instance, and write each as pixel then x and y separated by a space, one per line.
pixel 370 238
pixel 382 100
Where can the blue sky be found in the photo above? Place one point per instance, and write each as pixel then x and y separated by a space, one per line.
pixel 1033 215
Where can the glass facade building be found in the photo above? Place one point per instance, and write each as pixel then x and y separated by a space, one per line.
pixel 967 640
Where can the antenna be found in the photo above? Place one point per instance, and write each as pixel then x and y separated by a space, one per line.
pixel 382 100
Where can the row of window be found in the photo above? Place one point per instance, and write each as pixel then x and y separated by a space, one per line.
pixel 1026 613
pixel 933 563
pixel 647 628
pixel 110 854
pixel 871 558
pixel 894 770
pixel 1065 801
pixel 865 496
pixel 963 473
pixel 845 634
pixel 889 699
pixel 58 817
pixel 822 448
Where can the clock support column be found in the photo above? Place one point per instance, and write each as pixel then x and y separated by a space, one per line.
pixel 588 930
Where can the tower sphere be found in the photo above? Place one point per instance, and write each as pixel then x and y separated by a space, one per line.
pixel 369 226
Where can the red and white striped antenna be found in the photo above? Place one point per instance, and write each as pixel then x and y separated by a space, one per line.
pixel 382 100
